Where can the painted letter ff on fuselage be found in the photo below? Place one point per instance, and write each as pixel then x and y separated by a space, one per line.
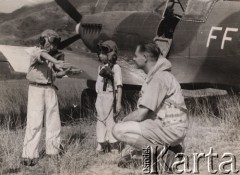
pixel 208 52
pixel 225 36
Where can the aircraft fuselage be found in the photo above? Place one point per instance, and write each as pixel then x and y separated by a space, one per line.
pixel 201 52
pixel 208 52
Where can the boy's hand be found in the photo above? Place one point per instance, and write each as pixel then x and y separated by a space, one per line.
pixel 59 65
pixel 63 73
pixel 118 116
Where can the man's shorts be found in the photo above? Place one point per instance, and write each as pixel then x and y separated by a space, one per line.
pixel 158 131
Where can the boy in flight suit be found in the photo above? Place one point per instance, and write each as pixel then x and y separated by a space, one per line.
pixel 42 98
pixel 109 95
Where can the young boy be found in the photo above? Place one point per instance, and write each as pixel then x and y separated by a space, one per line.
pixel 109 95
pixel 42 98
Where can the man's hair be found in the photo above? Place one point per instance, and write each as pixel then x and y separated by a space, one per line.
pixel 150 48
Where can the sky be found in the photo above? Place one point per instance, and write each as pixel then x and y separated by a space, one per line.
pixel 8 6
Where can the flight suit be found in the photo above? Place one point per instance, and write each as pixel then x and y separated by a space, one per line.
pixel 42 101
pixel 104 105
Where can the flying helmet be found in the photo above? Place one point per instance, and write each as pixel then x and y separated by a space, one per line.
pixel 49 35
pixel 107 47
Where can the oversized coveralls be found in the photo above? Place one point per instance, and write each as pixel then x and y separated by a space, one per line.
pixel 161 94
pixel 104 105
pixel 42 101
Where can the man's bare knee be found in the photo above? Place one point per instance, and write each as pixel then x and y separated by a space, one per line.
pixel 117 131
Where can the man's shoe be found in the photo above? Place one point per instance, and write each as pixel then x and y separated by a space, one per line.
pixel 130 157
pixel 127 150
pixel 125 161
pixel 129 161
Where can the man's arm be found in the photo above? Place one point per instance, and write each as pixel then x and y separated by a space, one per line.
pixel 138 115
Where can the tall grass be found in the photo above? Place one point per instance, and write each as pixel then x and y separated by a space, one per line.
pixel 13 101
pixel 224 108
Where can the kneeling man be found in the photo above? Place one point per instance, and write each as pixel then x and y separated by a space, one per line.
pixel 161 117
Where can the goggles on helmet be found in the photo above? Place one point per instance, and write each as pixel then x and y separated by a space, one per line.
pixel 103 49
pixel 54 39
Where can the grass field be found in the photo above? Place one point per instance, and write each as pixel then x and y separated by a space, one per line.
pixel 214 122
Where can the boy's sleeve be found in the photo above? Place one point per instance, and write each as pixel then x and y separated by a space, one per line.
pixel 35 54
pixel 39 57
pixel 117 75
pixel 153 95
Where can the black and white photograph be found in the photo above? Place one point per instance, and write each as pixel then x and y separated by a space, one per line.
pixel 119 87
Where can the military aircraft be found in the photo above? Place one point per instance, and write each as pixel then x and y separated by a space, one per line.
pixel 200 38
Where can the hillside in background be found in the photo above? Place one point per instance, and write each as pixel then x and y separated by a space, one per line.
pixel 23 26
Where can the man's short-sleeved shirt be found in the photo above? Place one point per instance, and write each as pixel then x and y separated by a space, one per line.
pixel 162 85
pixel 40 71
pixel 152 94
pixel 117 79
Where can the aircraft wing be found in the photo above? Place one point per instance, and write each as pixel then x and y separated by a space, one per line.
pixel 16 56
pixel 19 61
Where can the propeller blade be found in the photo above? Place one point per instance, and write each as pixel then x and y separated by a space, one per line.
pixel 68 41
pixel 69 9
